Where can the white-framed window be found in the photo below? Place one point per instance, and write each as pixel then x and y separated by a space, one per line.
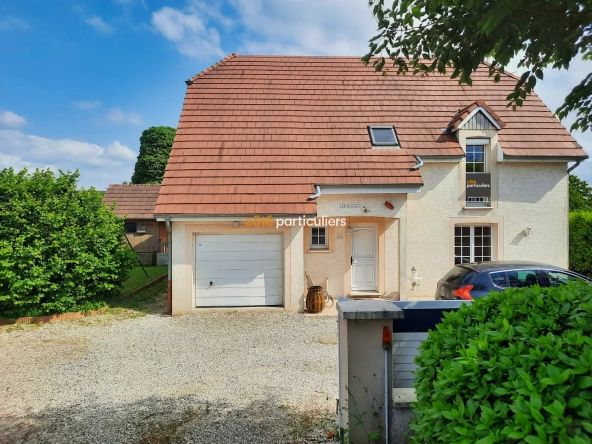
pixel 383 135
pixel 473 244
pixel 476 162
pixel 318 238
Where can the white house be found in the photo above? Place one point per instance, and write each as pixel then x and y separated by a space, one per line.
pixel 283 165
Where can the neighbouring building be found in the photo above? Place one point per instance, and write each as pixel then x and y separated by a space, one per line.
pixel 136 204
pixel 401 173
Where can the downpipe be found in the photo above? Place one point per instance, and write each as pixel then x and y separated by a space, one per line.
pixel 170 267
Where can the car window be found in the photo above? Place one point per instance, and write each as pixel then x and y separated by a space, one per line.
pixel 553 278
pixel 455 274
pixel 499 279
pixel 522 278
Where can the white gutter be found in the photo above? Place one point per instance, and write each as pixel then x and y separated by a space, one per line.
pixel 419 164
pixel 317 194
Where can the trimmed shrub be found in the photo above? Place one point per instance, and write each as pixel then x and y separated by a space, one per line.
pixel 580 242
pixel 512 367
pixel 60 248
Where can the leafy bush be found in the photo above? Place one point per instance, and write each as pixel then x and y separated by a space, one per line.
pixel 580 242
pixel 60 248
pixel 512 367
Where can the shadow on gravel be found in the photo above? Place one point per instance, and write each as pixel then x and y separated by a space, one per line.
pixel 170 420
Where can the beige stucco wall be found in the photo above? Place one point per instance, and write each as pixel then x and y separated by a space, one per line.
pixel 532 194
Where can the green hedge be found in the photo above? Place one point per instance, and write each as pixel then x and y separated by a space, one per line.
pixel 512 367
pixel 580 242
pixel 60 248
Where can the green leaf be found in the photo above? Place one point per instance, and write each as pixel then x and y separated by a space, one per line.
pixel 487 440
pixel 584 382
pixel 556 408
pixel 532 439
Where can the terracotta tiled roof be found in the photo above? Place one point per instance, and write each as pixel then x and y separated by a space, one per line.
pixel 137 201
pixel 257 132
pixel 463 113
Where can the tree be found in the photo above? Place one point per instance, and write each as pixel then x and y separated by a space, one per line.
pixel 155 146
pixel 580 242
pixel 425 36
pixel 580 194
pixel 60 248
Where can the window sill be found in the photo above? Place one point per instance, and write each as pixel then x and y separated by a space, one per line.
pixel 477 208
pixel 320 250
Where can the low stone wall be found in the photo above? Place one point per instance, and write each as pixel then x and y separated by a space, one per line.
pixel 147 257
pixel 162 258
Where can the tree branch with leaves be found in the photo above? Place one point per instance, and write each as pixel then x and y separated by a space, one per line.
pixel 426 36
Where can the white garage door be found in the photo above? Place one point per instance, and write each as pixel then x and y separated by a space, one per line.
pixel 238 270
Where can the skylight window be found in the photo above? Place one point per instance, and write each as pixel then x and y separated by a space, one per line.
pixel 383 135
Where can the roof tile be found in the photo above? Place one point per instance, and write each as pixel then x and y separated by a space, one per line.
pixel 258 132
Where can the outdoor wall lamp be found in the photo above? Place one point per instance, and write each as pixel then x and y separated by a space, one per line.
pixel 526 231
pixel 414 279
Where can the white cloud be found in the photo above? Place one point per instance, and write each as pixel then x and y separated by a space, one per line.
pixel 9 22
pixel 98 165
pixel 8 118
pixel 118 116
pixel 188 32
pixel 87 105
pixel 119 151
pixel 99 24
pixel 307 27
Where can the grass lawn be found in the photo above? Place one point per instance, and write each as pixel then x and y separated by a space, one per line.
pixel 137 278
pixel 150 300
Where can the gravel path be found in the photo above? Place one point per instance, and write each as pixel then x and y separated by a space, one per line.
pixel 214 377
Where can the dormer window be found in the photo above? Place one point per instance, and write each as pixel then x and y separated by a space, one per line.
pixel 383 136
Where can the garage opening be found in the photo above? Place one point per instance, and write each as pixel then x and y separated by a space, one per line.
pixel 238 270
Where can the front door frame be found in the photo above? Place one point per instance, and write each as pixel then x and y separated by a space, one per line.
pixel 374 228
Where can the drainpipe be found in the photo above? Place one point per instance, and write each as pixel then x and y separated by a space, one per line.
pixel 573 167
pixel 419 164
pixel 317 194
pixel 167 220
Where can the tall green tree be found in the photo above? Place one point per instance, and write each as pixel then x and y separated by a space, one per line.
pixel 60 247
pixel 155 146
pixel 453 37
pixel 580 194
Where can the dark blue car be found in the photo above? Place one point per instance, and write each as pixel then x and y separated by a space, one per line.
pixel 475 280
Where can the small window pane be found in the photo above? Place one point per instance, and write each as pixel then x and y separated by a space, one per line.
pixel 318 238
pixel 383 136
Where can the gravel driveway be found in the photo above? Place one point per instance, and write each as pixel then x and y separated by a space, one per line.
pixel 214 377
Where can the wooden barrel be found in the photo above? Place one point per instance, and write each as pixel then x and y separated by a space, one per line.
pixel 315 301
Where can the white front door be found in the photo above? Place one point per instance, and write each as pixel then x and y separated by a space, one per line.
pixel 363 259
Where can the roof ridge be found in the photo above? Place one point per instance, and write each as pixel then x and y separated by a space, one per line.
pixel 134 185
pixel 211 68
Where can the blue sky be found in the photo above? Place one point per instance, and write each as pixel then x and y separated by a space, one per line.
pixel 81 80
